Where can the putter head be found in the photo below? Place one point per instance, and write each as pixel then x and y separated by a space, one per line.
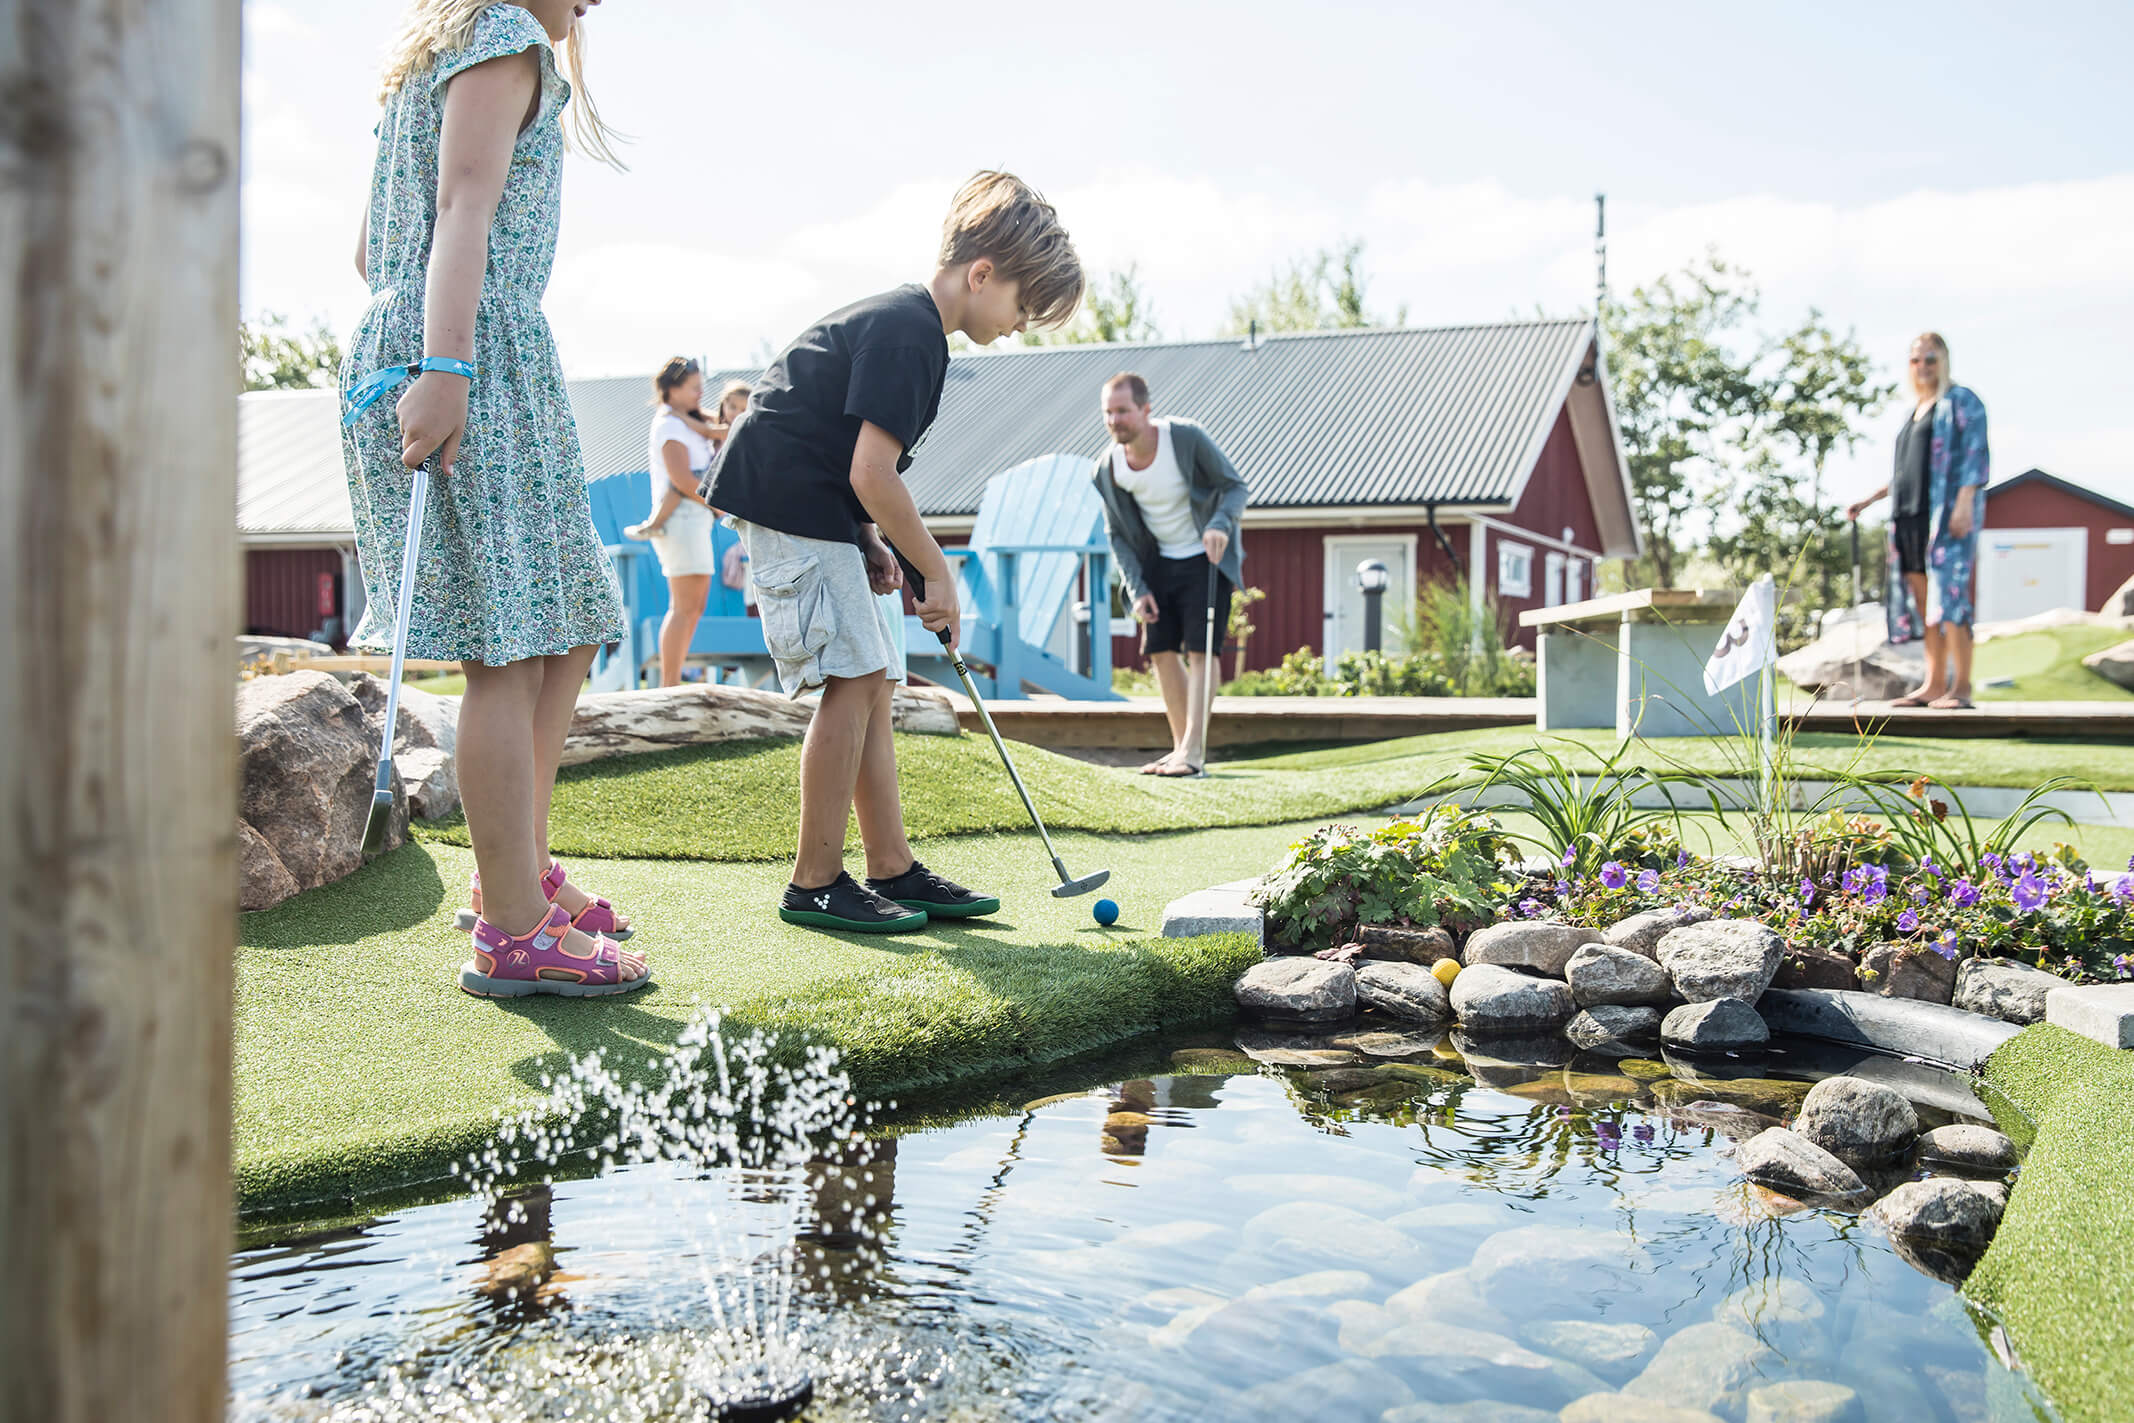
pixel 1068 889
pixel 381 820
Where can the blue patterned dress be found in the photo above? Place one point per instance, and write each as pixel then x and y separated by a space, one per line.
pixel 1957 457
pixel 510 566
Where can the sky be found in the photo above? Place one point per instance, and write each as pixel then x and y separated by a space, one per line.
pixel 1974 177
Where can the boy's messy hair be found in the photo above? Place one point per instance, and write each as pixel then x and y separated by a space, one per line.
pixel 998 215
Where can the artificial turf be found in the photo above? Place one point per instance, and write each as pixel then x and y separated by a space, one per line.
pixel 2060 1273
pixel 2046 666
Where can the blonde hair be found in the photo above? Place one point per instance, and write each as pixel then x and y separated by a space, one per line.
pixel 728 391
pixel 1943 377
pixel 998 215
pixel 437 27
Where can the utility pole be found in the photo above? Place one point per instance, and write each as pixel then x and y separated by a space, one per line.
pixel 118 769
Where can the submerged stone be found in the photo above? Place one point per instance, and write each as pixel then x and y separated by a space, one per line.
pixel 1791 1163
pixel 1804 1401
pixel 1352 1388
pixel 1708 1366
pixel 1611 1350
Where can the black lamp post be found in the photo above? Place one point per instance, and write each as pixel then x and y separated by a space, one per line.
pixel 1372 578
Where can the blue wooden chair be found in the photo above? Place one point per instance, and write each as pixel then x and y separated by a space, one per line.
pixel 1037 554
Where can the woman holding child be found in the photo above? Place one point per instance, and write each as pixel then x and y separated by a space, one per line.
pixel 682 444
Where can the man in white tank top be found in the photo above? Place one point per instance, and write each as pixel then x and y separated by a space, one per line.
pixel 1171 506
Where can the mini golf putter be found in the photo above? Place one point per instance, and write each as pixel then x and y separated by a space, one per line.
pixel 1068 886
pixel 381 796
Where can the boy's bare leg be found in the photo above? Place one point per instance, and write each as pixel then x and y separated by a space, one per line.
pixel 1177 703
pixel 829 773
pixel 875 798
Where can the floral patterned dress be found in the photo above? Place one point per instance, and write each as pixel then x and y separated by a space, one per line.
pixel 1958 457
pixel 510 566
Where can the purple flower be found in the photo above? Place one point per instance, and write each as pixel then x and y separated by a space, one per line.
pixel 1807 890
pixel 1852 881
pixel 2130 862
pixel 2029 893
pixel 1926 862
pixel 1877 884
pixel 1681 859
pixel 2023 860
pixel 1946 946
pixel 1530 907
pixel 1990 861
pixel 1907 922
pixel 1607 1135
pixel 1963 894
pixel 2123 966
pixel 1570 857
pixel 2123 888
pixel 1563 887
pixel 1649 881
pixel 1683 910
pixel 1613 875
pixel 1641 1132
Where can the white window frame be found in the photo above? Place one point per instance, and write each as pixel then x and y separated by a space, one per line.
pixel 1515 569
pixel 1574 580
pixel 1552 565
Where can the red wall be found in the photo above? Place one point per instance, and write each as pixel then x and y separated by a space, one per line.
pixel 282 592
pixel 2040 506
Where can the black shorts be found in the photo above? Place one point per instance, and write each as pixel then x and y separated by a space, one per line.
pixel 1180 586
pixel 1909 535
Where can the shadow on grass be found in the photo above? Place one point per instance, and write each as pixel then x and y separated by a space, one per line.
pixel 398 890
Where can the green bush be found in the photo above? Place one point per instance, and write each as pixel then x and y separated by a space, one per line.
pixel 1373 674
pixel 1468 642
pixel 1442 867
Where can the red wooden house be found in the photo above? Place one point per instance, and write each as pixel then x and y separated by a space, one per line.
pixel 2050 543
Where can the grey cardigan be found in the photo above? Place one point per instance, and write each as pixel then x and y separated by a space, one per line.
pixel 1214 488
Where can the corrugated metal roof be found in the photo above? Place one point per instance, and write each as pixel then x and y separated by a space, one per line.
pixel 1407 416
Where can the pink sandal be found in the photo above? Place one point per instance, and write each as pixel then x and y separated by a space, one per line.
pixel 517 966
pixel 598 916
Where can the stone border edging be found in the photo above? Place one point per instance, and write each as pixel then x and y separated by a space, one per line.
pixel 1905 1027
pixel 1219 909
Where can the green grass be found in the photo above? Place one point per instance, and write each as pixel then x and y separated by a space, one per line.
pixel 361 1067
pixel 2047 666
pixel 2060 1274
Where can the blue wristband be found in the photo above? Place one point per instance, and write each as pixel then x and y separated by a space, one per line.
pixel 378 382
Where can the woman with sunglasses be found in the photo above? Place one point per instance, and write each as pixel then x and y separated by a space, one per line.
pixel 1938 497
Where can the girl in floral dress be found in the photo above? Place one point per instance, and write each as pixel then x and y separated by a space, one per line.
pixel 511 581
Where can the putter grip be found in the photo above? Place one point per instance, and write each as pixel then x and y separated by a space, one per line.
pixel 917 583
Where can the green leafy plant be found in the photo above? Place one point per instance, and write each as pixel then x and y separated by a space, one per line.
pixel 1373 674
pixel 1923 826
pixel 1442 867
pixel 1584 816
pixel 1467 641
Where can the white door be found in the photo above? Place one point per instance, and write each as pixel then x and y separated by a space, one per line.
pixel 2026 571
pixel 1344 600
pixel 1552 581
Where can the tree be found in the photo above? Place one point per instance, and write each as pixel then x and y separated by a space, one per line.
pixel 272 356
pixel 1322 292
pixel 1115 308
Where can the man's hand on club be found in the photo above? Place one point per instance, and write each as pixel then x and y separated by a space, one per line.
pixel 1145 608
pixel 1215 541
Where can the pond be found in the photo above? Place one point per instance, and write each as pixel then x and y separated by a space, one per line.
pixel 1372 1225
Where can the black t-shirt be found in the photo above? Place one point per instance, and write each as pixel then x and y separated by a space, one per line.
pixel 787 464
pixel 1908 484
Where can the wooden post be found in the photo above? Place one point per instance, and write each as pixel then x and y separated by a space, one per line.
pixel 118 769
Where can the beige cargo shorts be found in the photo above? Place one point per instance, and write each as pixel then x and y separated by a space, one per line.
pixel 821 618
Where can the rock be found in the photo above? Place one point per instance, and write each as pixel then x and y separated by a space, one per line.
pixel 1533 943
pixel 263 881
pixel 1966 1148
pixel 1939 1210
pixel 1720 958
pixel 1804 1401
pixel 1366 1196
pixel 259 651
pixel 1387 1043
pixel 1708 1366
pixel 1807 966
pixel 1449 1296
pixel 1641 933
pixel 1211 1060
pixel 1406 990
pixel 1601 973
pixel 1454 1358
pixel 1621 1408
pixel 1994 1191
pixel 1279 1049
pixel 2121 602
pixel 1858 1121
pixel 1606 1025
pixel 1597 1089
pixel 1475 1410
pixel 1522 1271
pixel 426 722
pixel 1733 1123
pixel 1779 1299
pixel 432 782
pixel 1789 1162
pixel 1610 1350
pixel 1401 944
pixel 2001 988
pixel 1502 1058
pixel 309 761
pixel 1720 1025
pixel 1771 1096
pixel 1298 990
pixel 1643 1069
pixel 1333 1236
pixel 1908 971
pixel 1855 660
pixel 699 714
pixel 2115 663
pixel 1352 1388
pixel 1488 998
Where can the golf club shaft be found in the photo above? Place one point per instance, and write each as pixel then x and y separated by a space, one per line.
pixel 1208 677
pixel 418 498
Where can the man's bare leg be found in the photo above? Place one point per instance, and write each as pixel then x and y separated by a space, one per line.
pixel 1178 705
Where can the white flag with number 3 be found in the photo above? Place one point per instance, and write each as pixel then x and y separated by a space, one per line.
pixel 1750 642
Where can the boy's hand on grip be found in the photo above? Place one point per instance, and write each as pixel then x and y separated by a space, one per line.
pixel 433 415
pixel 884 574
pixel 938 611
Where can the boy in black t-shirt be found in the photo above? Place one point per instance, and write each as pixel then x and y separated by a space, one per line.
pixel 810 475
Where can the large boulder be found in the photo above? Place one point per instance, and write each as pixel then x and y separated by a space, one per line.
pixel 1406 990
pixel 1617 1029
pixel 2115 664
pixel 1807 966
pixel 1789 1162
pixel 1527 1269
pixel 1710 1366
pixel 2004 989
pixel 432 777
pixel 1641 933
pixel 1854 660
pixel 425 720
pixel 1489 999
pixel 2121 602
pixel 309 761
pixel 1908 971
pixel 625 723
pixel 1721 958
pixel 1940 1210
pixel 1720 1025
pixel 263 881
pixel 1601 973
pixel 1858 1121
pixel 1303 990
pixel 1966 1148
pixel 1424 944
pixel 1537 944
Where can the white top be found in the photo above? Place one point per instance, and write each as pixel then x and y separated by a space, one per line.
pixel 670 428
pixel 1161 492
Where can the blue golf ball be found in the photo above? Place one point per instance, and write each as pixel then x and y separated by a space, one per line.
pixel 1104 912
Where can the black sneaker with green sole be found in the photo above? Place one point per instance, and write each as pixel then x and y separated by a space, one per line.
pixel 920 888
pixel 845 904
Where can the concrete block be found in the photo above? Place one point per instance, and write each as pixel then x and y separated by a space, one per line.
pixel 1218 910
pixel 2102 1012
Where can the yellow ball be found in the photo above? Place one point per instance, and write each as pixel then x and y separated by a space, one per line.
pixel 1445 971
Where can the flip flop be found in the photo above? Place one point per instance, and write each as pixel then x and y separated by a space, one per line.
pixel 1913 699
pixel 1952 704
pixel 598 916
pixel 521 965
pixel 1177 773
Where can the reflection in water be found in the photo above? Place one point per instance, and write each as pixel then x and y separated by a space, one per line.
pixel 1334 1238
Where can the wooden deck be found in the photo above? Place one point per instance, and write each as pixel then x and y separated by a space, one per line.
pixel 1138 723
